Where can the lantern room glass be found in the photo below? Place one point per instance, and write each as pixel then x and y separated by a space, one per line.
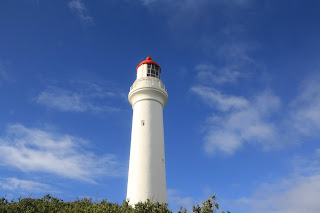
pixel 153 71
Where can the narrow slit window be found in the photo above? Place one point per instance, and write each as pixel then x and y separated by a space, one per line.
pixel 142 122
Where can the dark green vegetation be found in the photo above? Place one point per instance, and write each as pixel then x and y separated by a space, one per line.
pixel 49 204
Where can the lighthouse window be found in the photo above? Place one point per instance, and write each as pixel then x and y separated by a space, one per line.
pixel 142 122
pixel 153 71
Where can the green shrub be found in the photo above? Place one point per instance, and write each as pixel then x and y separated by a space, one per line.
pixel 49 204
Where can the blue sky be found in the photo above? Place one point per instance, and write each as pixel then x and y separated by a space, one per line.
pixel 242 120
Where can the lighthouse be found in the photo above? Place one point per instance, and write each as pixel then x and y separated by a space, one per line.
pixel 147 174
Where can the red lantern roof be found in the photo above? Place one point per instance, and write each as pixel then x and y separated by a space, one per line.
pixel 148 61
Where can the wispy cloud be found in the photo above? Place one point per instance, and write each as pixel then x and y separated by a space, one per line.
pixel 233 57
pixel 238 120
pixel 215 98
pixel 298 192
pixel 81 11
pixel 237 52
pixel 208 73
pixel 235 121
pixel 85 97
pixel 148 2
pixel 24 186
pixel 176 200
pixel 36 150
pixel 305 109
pixel 4 74
pixel 190 3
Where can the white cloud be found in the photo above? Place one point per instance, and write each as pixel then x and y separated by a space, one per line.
pixel 207 73
pixel 4 74
pixel 237 52
pixel 63 100
pixel 147 2
pixel 18 185
pixel 239 121
pixel 236 120
pixel 296 193
pixel 79 8
pixel 35 150
pixel 218 100
pixel 176 200
pixel 305 111
pixel 86 97
pixel 185 14
pixel 301 196
pixel 191 4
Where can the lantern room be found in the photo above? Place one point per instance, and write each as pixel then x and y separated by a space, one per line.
pixel 148 68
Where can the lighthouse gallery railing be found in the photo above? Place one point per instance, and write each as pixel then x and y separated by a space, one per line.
pixel 148 81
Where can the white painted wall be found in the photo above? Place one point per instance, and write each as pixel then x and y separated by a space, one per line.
pixel 147 176
pixel 142 71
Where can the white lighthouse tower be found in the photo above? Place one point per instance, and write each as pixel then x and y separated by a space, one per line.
pixel 147 174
